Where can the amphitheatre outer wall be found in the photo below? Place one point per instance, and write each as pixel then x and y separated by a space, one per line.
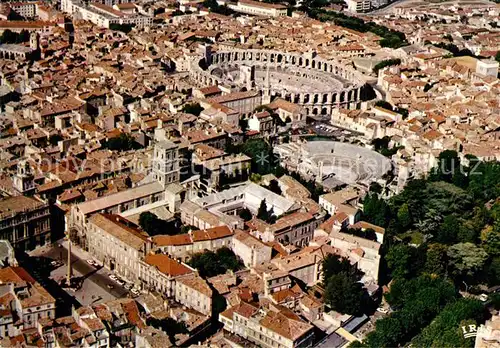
pixel 314 103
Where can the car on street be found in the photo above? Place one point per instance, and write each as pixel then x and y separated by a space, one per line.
pixel 483 297
pixel 119 281
pixel 135 292
pixel 128 286
pixel 112 276
pixel 110 286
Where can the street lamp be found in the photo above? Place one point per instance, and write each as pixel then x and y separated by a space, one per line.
pixel 466 287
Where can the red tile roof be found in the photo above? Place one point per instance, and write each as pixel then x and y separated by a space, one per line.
pixel 211 233
pixel 167 265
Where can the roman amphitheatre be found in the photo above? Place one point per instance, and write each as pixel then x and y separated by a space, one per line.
pixel 346 163
pixel 317 84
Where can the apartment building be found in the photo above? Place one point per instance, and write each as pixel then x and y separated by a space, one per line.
pixel 342 201
pixel 118 244
pixel 359 5
pixel 183 246
pixel 23 302
pixel 306 264
pixel 251 250
pixel 363 252
pixel 259 8
pixel 296 228
pixel 271 327
pixel 288 111
pixel 104 15
pixel 194 292
pixel 24 222
pixel 158 272
pixel 27 10
pixel 218 172
pixel 261 122
pixel 242 102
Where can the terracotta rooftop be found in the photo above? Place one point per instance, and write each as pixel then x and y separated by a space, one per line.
pixel 167 265
pixel 211 233
pixel 121 229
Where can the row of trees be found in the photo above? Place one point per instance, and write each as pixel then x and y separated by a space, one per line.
pixel 386 63
pixel 455 51
pixel 10 37
pixel 216 8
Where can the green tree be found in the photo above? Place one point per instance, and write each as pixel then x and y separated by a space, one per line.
pixel 376 210
pixel 404 216
pixel 387 62
pixel 335 264
pixel 491 240
pixel 245 214
pixel 449 169
pixel 153 225
pixel 147 220
pixel 497 56
pixel 493 271
pixel 263 213
pixel 447 233
pixel 420 300
pixel 124 142
pixel 228 259
pixel 261 154
pixel 210 264
pixel 344 294
pixel 444 331
pixel 403 260
pixel 466 259
pixel 274 187
pixel 436 260
pixel 193 108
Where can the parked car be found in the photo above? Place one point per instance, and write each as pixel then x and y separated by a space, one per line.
pixel 110 286
pixel 128 286
pixel 483 297
pixel 56 264
pixel 112 276
pixel 135 292
pixel 382 310
pixel 90 262
pixel 119 281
